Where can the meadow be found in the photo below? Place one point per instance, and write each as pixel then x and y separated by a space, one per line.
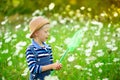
pixel 96 58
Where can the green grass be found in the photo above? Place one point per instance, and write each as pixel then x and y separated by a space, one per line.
pixel 92 65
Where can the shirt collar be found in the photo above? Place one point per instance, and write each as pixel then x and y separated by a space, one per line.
pixel 37 45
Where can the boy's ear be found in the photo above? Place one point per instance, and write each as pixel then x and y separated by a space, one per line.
pixel 35 33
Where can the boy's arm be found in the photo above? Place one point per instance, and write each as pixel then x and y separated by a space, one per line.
pixel 55 66
pixel 33 67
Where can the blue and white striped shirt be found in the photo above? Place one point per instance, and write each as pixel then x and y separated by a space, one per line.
pixel 44 57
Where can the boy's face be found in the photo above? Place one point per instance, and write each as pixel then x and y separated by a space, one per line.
pixel 43 33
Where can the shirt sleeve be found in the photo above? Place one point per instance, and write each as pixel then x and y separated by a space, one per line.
pixel 51 56
pixel 32 64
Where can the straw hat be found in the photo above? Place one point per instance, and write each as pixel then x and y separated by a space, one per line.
pixel 36 24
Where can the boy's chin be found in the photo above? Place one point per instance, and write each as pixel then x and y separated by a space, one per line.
pixel 44 40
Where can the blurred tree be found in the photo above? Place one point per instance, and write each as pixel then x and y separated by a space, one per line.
pixel 11 7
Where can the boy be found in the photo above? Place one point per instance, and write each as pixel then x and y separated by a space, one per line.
pixel 39 54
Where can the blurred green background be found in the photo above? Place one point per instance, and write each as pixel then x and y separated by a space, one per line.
pixel 94 9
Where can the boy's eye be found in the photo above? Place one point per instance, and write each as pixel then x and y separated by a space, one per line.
pixel 46 31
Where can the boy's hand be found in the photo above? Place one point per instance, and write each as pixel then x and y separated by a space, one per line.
pixel 56 66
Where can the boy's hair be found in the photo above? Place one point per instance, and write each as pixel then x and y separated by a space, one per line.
pixel 36 24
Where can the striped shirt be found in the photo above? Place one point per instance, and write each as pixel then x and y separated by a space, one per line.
pixel 44 57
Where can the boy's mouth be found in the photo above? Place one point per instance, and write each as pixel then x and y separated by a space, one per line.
pixel 46 37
